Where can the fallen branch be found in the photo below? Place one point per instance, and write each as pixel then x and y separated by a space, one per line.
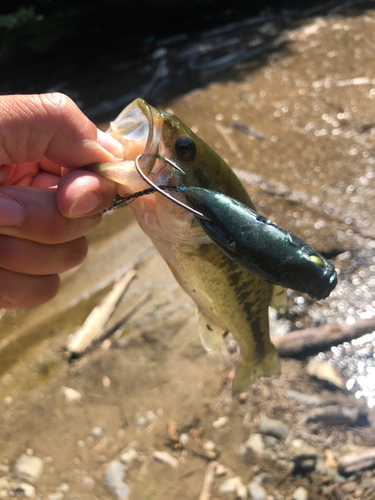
pixel 92 328
pixel 303 343
pixel 356 461
pixel 208 479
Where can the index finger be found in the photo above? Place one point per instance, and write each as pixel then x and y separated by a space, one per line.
pixel 51 125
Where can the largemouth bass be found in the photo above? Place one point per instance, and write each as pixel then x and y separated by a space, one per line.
pixel 229 298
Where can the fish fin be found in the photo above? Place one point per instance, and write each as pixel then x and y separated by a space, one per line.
pixel 246 374
pixel 278 298
pixel 211 335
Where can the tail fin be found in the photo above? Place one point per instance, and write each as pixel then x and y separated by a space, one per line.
pixel 246 374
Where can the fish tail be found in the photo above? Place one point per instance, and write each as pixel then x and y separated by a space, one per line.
pixel 247 373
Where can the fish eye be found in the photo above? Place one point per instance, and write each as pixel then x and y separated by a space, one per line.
pixel 185 149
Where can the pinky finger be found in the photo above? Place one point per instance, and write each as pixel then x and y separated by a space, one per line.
pixel 26 291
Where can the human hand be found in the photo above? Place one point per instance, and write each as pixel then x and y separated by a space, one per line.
pixel 46 203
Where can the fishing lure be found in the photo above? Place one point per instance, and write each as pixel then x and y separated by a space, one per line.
pixel 260 246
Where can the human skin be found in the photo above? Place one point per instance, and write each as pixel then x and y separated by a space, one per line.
pixel 46 200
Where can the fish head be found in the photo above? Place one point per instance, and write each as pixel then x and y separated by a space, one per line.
pixel 158 136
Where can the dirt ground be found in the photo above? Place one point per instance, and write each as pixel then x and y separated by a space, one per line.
pixel 314 101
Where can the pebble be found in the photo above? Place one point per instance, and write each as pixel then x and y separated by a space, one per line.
pixel 59 495
pixel 87 482
pixel 255 443
pixel 25 489
pixel 305 458
pixel 8 400
pixel 184 438
pixel 323 371
pixel 64 487
pixel 166 458
pixel 128 456
pixel 230 485
pixel 273 427
pixel 309 399
pixel 349 487
pixel 300 494
pixel 29 466
pixel 96 431
pixel 220 422
pixel 114 476
pixel 270 441
pixel 71 394
pixel 256 491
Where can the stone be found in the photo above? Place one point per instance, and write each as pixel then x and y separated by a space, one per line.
pixel 273 427
pixel 59 495
pixel 256 491
pixel 220 422
pixel 305 459
pixel 230 485
pixel 166 458
pixel 114 476
pixel 270 441
pixel 97 431
pixel 64 487
pixel 71 394
pixel 308 399
pixel 300 494
pixel 30 467
pixel 128 456
pixel 26 489
pixel 349 487
pixel 323 371
pixel 255 444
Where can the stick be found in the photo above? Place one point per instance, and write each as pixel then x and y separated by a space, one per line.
pixel 303 343
pixel 92 328
pixel 356 461
pixel 207 483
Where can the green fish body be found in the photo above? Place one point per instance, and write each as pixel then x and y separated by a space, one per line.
pixel 229 298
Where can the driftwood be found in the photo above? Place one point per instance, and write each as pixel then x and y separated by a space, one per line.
pixel 303 343
pixel 92 329
pixel 356 461
pixel 337 415
pixel 207 483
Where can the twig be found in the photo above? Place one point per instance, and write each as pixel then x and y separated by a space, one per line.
pixel 92 329
pixel 303 343
pixel 222 130
pixel 208 479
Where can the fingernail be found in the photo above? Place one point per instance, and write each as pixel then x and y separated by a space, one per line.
pixel 110 144
pixel 84 205
pixel 11 212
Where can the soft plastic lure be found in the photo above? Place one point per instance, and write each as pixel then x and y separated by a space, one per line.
pixel 260 246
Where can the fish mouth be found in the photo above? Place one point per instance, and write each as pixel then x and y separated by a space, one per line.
pixel 135 128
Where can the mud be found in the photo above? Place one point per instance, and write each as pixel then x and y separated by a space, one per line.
pixel 313 99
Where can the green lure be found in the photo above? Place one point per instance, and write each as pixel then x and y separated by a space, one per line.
pixel 260 246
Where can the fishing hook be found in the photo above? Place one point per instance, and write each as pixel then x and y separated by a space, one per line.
pixel 150 183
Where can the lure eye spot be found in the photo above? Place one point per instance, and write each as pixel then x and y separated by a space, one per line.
pixel 317 261
pixel 185 149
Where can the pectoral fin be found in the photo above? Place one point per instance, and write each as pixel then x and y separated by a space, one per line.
pixel 211 335
pixel 246 374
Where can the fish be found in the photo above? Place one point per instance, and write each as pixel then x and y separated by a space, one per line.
pixel 260 246
pixel 228 297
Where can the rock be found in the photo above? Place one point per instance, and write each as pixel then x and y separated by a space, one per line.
pixel 255 444
pixel 166 458
pixel 270 441
pixel 59 495
pixel 230 485
pixel 8 400
pixel 114 476
pixel 87 482
pixel 25 489
pixel 184 438
pixel 300 494
pixel 273 427
pixel 220 422
pixel 323 371
pixel 349 487
pixel 71 394
pixel 96 431
pixel 305 459
pixel 256 491
pixel 64 487
pixel 308 399
pixel 128 456
pixel 30 467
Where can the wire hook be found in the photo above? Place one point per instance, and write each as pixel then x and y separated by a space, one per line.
pixel 174 200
